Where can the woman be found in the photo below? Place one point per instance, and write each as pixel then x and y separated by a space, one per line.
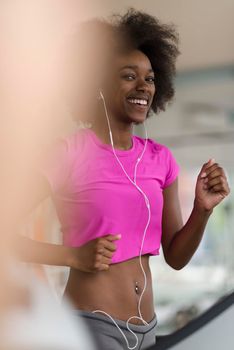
pixel 114 207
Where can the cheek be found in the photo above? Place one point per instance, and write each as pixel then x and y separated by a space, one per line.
pixel 119 99
pixel 124 91
pixel 119 96
pixel 117 92
pixel 113 99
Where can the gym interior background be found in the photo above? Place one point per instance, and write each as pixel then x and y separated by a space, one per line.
pixel 199 125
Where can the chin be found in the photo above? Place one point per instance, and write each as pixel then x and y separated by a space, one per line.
pixel 138 119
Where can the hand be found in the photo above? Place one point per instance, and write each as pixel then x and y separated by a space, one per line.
pixel 212 186
pixel 95 255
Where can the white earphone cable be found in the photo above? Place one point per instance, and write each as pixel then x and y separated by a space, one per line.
pixel 140 317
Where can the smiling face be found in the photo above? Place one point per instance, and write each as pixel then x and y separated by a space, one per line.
pixel 130 92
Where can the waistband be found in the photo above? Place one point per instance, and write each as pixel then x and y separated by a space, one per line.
pixel 134 327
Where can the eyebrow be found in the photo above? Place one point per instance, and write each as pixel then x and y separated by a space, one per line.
pixel 135 67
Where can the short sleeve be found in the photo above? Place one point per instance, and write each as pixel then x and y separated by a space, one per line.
pixel 56 164
pixel 172 168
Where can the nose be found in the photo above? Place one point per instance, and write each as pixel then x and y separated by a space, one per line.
pixel 141 84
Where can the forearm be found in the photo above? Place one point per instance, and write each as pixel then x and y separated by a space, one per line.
pixel 86 258
pixel 32 251
pixel 186 241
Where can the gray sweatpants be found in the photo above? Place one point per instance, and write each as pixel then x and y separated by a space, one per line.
pixel 107 336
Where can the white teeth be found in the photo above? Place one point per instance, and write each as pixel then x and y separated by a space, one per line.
pixel 138 101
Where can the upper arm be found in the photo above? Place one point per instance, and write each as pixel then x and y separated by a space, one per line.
pixel 172 217
pixel 46 178
pixel 34 190
pixel 56 165
pixel 42 190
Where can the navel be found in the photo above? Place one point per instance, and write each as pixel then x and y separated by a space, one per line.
pixel 137 288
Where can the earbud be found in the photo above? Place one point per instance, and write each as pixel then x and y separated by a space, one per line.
pixel 101 94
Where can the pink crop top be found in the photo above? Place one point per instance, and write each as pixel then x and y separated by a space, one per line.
pixel 93 197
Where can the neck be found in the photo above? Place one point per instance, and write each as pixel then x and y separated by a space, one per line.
pixel 121 132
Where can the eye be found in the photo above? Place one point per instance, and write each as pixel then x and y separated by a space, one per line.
pixel 129 77
pixel 150 79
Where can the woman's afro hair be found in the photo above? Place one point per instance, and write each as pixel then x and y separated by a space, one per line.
pixel 159 42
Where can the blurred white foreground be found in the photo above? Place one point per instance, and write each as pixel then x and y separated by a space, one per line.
pixel 44 324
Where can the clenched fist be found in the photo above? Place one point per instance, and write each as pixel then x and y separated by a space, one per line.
pixel 212 186
pixel 95 255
